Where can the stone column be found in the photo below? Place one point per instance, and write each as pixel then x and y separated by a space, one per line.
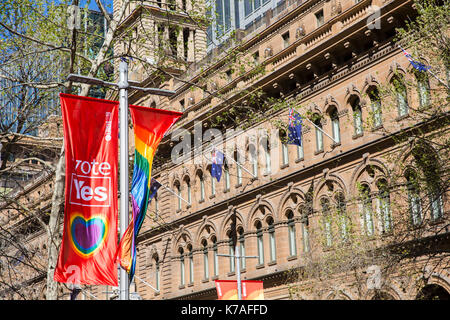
pixel 180 44
pixel 200 44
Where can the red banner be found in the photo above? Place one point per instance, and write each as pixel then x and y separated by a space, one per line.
pixel 251 290
pixel 89 239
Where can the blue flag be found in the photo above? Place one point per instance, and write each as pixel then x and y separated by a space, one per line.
pixel 416 64
pixel 295 128
pixel 216 167
pixel 154 186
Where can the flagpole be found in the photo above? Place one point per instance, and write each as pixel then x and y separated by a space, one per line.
pixel 428 69
pixel 124 190
pixel 170 190
pixel 146 283
pixel 321 130
pixel 442 82
pixel 237 163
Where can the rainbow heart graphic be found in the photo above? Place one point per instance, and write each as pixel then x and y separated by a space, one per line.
pixel 87 235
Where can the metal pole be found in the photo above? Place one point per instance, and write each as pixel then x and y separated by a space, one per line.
pixel 321 130
pixel 237 163
pixel 123 109
pixel 171 191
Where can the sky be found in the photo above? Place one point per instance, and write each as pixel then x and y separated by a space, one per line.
pixel 93 5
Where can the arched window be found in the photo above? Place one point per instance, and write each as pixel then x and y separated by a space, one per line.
pixel 213 185
pixel 383 206
pixel 272 242
pixel 182 267
pixel 253 158
pixel 341 209
pixel 265 144
pixel 305 227
pixel 375 103
pixel 366 210
pixel 423 89
pixel 327 219
pixel 428 162
pixel 237 158
pixel 319 135
pixel 157 272
pixel 401 95
pixel 300 154
pixel 191 264
pixel 335 127
pixel 205 260
pixel 156 200
pixel 357 115
pixel 178 190
pixel 187 182
pixel 291 233
pixel 284 148
pixel 415 205
pixel 226 173
pixel 201 180
pixel 260 242
pixel 216 257
pixel 241 240
pixel 231 252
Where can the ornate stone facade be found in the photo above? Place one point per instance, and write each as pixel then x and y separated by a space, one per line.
pixel 329 68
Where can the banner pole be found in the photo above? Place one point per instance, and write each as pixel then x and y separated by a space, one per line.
pixel 124 209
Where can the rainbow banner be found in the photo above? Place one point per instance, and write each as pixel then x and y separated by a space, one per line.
pixel 150 125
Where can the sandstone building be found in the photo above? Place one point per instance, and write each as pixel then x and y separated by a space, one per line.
pixel 328 59
pixel 343 216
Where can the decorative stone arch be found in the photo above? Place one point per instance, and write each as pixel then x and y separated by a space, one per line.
pixel 408 149
pixel 331 102
pixel 261 209
pixel 408 158
pixel 208 171
pixel 350 91
pixel 181 239
pixel 175 180
pixel 392 288
pixel 317 112
pixel 314 108
pixel 324 183
pixel 206 230
pixel 369 82
pixel 441 278
pixel 330 295
pixel 288 201
pixel 226 222
pixel 395 69
pixel 153 251
pixel 186 172
pixel 198 170
pixel 359 170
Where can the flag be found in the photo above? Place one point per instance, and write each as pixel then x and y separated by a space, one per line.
pixel 154 186
pixel 150 125
pixel 295 128
pixel 416 64
pixel 89 242
pixel 216 166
